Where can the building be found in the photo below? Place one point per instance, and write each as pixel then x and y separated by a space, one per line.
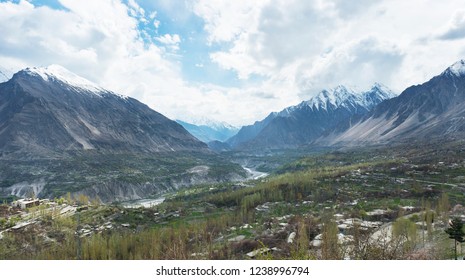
pixel 26 203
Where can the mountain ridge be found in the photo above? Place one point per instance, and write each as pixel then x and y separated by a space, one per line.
pixel 431 109
pixel 210 131
pixel 301 124
pixel 45 111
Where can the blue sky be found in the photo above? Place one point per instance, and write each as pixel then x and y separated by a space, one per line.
pixel 234 61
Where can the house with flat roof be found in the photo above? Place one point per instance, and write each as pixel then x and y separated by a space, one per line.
pixel 26 203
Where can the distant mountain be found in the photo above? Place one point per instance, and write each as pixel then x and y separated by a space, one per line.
pixel 305 122
pixel 249 132
pixel 48 110
pixel 435 109
pixel 207 131
pixel 219 146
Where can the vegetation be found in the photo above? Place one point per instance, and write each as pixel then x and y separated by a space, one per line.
pixel 456 232
pixel 78 172
pixel 337 205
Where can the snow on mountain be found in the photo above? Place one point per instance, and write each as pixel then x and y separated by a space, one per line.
pixel 45 110
pixel 59 73
pixel 305 122
pixel 432 110
pixel 342 96
pixel 62 74
pixel 457 69
pixel 334 97
pixel 204 121
pixel 208 130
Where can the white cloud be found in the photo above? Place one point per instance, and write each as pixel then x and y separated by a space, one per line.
pixel 364 61
pixel 305 46
pixel 135 9
pixel 169 39
pixel 227 19
pixel 456 28
pixel 100 41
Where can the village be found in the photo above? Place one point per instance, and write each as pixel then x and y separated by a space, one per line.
pixel 359 211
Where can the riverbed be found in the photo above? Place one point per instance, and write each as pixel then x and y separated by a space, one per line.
pixel 145 203
pixel 254 174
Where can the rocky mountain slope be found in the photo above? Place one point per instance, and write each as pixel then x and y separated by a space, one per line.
pixel 435 109
pixel 48 110
pixel 302 124
pixel 61 133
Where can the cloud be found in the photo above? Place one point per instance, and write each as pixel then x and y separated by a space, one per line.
pixel 350 9
pixel 305 46
pixel 364 62
pixel 456 29
pixel 101 41
pixel 224 20
pixel 282 51
pixel 298 46
pixel 169 39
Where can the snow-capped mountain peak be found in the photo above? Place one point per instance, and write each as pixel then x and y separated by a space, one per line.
pixel 342 96
pixel 204 121
pixel 57 72
pixel 334 97
pixel 208 130
pixel 382 90
pixel 456 69
pixel 381 87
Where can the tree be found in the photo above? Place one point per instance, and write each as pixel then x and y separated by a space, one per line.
pixel 443 207
pixel 330 246
pixel 456 232
pixel 405 231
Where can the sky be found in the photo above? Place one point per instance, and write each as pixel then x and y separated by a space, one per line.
pixel 234 61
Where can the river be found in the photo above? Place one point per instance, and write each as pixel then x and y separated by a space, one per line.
pixel 145 203
pixel 254 174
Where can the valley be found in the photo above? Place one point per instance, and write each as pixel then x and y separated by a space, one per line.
pixel 354 204
pixel 86 173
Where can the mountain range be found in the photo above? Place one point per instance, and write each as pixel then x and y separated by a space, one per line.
pixel 60 132
pixel 307 121
pixel 208 130
pixel 432 110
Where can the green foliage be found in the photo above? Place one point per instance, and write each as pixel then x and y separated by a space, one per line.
pixel 196 223
pixel 406 233
pixel 3 222
pixel 456 232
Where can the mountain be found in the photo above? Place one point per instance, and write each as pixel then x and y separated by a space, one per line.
pixel 219 146
pixel 208 131
pixel 305 122
pixel 50 110
pixel 60 133
pixel 249 132
pixel 435 109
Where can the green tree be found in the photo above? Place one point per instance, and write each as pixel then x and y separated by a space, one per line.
pixel 443 207
pixel 456 232
pixel 406 232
